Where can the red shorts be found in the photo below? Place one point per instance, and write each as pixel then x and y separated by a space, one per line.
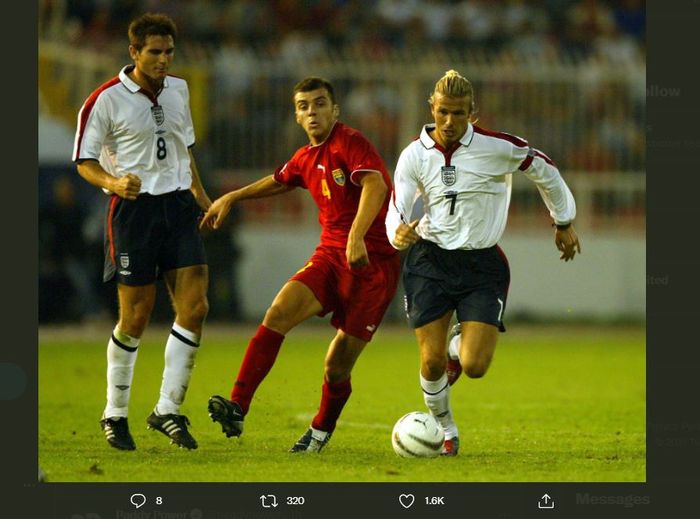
pixel 358 298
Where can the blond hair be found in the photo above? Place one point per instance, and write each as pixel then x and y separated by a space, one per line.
pixel 453 84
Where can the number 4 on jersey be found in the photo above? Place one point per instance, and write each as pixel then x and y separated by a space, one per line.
pixel 324 189
pixel 324 185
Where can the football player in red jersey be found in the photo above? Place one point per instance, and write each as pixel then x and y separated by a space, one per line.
pixel 353 272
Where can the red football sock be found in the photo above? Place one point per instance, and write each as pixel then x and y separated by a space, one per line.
pixel 258 360
pixel 333 400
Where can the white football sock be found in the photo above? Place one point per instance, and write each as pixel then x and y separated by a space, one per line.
pixel 436 395
pixel 122 351
pixel 180 351
pixel 453 347
pixel 318 434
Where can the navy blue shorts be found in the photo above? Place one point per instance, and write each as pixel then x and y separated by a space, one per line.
pixel 151 235
pixel 474 283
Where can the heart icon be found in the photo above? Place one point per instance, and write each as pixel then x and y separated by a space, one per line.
pixel 406 500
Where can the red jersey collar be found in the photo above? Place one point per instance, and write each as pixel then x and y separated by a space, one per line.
pixel 335 124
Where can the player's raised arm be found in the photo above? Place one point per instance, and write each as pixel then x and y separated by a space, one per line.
pixel 217 213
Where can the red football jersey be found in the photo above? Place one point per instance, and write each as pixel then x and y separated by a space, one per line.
pixel 331 172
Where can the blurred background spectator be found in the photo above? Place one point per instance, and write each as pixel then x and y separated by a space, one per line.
pixel 65 272
pixel 307 27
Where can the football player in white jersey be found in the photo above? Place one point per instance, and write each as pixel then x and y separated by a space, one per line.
pixel 462 174
pixel 133 140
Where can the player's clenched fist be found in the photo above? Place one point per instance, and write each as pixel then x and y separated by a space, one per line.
pixel 128 186
pixel 356 253
pixel 406 235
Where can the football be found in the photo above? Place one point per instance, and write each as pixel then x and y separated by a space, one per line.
pixel 417 435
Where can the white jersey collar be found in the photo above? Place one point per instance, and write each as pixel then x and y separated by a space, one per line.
pixel 428 141
pixel 132 85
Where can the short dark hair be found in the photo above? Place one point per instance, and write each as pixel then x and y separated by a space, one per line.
pixel 314 83
pixel 150 24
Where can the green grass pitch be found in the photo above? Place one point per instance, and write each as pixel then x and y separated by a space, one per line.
pixel 560 403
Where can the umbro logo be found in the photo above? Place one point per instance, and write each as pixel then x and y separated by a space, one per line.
pixel 123 388
pixel 125 272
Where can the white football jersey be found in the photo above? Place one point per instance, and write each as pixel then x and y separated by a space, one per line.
pixel 129 131
pixel 466 192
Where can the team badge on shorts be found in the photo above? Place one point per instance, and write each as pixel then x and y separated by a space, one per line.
pixel 124 260
pixel 449 175
pixel 339 177
pixel 158 114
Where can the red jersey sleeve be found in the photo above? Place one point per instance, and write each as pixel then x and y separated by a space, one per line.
pixel 361 157
pixel 289 174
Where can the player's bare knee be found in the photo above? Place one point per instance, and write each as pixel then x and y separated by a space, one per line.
pixel 134 324
pixel 476 369
pixel 198 312
pixel 475 372
pixel 434 367
pixel 337 368
pixel 275 317
pixel 336 373
pixel 134 317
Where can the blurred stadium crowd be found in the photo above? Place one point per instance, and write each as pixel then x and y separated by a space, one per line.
pixel 234 38
pixel 569 75
pixel 540 29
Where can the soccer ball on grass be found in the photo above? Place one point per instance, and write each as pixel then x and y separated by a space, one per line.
pixel 417 435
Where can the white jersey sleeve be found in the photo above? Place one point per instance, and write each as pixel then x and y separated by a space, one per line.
pixel 97 126
pixel 189 125
pixel 554 192
pixel 405 192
